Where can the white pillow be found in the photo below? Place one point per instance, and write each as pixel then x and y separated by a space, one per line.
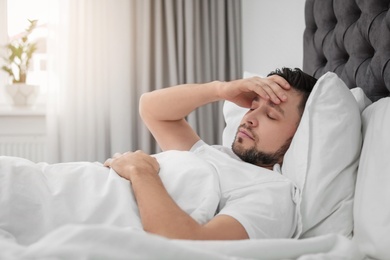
pixel 323 156
pixel 361 98
pixel 372 199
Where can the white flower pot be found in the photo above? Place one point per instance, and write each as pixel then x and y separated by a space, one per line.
pixel 23 94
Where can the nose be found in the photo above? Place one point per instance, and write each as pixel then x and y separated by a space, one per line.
pixel 257 109
pixel 251 119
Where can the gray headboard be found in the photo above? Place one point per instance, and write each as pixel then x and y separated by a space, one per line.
pixel 352 39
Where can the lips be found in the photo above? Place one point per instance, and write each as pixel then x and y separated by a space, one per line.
pixel 245 133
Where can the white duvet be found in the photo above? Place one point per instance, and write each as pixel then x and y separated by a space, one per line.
pixel 38 198
pixel 86 211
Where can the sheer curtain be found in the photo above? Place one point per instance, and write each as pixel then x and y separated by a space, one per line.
pixel 104 54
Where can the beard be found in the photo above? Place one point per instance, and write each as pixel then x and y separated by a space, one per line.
pixel 257 157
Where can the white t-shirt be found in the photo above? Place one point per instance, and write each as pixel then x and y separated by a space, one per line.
pixel 263 201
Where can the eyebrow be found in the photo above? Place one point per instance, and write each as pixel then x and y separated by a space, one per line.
pixel 273 105
pixel 276 107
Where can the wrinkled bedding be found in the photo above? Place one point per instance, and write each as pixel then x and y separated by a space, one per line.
pixel 36 199
pixel 109 242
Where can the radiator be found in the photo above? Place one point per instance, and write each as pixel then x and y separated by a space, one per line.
pixel 29 147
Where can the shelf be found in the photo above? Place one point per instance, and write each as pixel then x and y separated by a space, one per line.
pixel 8 110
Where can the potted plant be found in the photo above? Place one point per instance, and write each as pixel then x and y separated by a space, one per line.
pixel 17 61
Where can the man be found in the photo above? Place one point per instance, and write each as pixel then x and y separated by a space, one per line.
pixel 256 201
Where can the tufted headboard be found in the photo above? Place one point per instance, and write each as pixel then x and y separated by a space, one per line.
pixel 352 39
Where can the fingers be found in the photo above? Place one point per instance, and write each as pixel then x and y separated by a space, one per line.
pixel 109 161
pixel 280 81
pixel 133 158
pixel 272 88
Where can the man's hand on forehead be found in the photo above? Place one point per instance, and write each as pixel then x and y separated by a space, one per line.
pixel 271 88
pixel 243 91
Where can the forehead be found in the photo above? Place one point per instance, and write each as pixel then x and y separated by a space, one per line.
pixel 291 105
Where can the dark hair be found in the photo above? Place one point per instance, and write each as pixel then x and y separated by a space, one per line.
pixel 299 80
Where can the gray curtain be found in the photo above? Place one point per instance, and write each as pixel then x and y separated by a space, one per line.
pixel 186 41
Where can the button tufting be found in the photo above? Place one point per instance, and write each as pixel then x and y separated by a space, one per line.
pixel 351 38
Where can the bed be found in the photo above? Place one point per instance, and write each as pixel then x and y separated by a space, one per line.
pixel 344 204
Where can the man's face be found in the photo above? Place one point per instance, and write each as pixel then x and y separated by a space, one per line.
pixel 266 130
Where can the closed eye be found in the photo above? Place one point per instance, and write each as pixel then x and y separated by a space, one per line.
pixel 277 108
pixel 270 117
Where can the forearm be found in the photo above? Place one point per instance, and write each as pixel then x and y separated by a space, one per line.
pixel 175 103
pixel 159 213
pixel 163 112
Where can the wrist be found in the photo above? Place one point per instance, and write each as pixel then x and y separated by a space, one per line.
pixel 139 178
pixel 218 86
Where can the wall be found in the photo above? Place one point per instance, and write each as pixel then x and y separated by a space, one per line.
pixel 272 34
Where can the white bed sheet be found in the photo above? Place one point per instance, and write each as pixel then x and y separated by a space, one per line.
pixel 108 242
pixel 101 232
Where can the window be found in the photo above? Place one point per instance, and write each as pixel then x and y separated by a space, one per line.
pixel 18 14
